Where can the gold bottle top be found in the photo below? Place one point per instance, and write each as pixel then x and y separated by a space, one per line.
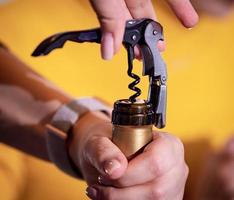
pixel 136 113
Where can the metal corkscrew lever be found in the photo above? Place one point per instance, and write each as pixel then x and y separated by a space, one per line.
pixel 132 118
pixel 146 33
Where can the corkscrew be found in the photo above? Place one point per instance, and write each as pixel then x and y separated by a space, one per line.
pixel 132 85
pixel 134 115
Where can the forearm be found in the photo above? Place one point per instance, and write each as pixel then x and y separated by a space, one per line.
pixel 27 102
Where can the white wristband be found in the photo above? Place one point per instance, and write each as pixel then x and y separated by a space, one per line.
pixel 60 126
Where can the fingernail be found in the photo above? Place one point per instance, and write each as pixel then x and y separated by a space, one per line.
pixel 107 47
pixel 111 166
pixel 92 193
pixel 190 28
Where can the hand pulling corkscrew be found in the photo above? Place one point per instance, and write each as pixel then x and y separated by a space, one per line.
pixel 132 118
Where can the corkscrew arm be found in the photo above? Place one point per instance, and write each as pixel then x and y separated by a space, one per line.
pixel 58 40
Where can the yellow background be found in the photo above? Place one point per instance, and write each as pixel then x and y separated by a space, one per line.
pixel 200 70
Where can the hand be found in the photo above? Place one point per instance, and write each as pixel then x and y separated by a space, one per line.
pixel 112 15
pixel 92 150
pixel 160 172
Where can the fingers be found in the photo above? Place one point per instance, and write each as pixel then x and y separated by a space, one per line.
pixel 162 155
pixel 184 11
pixel 170 186
pixel 98 192
pixel 105 157
pixel 141 8
pixel 112 15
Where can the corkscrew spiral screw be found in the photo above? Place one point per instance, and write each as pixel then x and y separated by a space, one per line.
pixel 132 86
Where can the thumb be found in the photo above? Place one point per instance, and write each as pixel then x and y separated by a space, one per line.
pixel 106 157
pixel 112 15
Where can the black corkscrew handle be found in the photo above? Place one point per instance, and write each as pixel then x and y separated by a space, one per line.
pixel 58 40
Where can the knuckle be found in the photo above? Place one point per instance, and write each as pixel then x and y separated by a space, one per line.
pixel 110 23
pixel 140 4
pixel 157 164
pixel 179 143
pixel 168 152
pixel 177 146
pixel 111 20
pixel 157 193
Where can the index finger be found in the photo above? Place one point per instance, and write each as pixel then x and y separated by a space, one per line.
pixel 112 15
pixel 141 9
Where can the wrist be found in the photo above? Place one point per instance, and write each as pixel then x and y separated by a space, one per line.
pixel 88 120
pixel 81 113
